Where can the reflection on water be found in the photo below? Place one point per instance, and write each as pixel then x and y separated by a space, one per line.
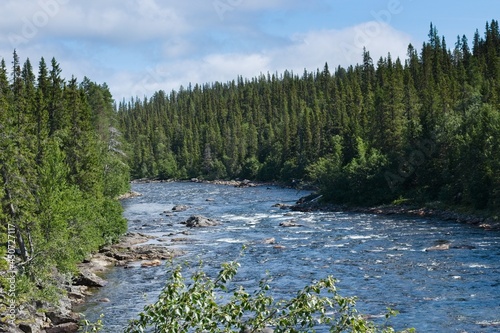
pixel 381 260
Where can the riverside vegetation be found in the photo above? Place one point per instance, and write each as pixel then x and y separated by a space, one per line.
pixel 61 169
pixel 423 129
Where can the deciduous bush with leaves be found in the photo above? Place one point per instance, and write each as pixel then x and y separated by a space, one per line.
pixel 201 303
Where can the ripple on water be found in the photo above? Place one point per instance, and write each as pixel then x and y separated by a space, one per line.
pixel 376 258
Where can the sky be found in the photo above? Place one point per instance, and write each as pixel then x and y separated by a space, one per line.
pixel 138 47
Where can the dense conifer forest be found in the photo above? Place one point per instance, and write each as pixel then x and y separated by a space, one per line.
pixel 425 128
pixel 61 169
pixel 421 129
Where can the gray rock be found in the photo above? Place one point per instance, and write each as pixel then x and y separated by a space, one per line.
pixel 77 294
pixel 58 318
pixel 290 224
pixel 180 240
pixel 281 206
pixel 28 328
pixel 269 241
pixel 89 279
pixel 245 183
pixel 9 328
pixel 197 221
pixel 63 328
pixel 439 247
pixel 180 208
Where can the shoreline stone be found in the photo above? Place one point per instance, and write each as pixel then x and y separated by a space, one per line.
pixel 313 203
pixel 62 318
pixel 129 195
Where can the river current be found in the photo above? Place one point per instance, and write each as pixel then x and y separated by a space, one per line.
pixel 382 260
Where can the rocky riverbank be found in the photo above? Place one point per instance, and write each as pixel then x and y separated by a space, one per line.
pixel 234 182
pixel 313 202
pixel 42 317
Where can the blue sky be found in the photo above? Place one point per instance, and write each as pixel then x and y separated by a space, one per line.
pixel 141 46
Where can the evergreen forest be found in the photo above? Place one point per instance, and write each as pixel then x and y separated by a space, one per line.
pixel 424 129
pixel 421 129
pixel 61 169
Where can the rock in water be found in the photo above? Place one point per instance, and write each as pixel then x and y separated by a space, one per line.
pixel 439 247
pixel 180 208
pixel 197 221
pixel 271 240
pixel 152 263
pixel 290 224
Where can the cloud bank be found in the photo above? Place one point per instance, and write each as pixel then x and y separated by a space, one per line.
pixel 141 46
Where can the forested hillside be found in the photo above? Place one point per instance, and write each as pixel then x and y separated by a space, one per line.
pixel 61 169
pixel 425 128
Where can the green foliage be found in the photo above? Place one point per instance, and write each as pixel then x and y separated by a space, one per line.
pixel 200 303
pixel 327 169
pixel 61 168
pixel 361 181
pixel 251 168
pixel 91 327
pixel 168 168
pixel 283 127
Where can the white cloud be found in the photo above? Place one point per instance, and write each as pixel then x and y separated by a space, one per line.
pixel 341 47
pixel 141 46
pixel 306 51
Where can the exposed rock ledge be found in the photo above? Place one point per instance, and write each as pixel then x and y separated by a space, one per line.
pixel 130 249
pixel 45 318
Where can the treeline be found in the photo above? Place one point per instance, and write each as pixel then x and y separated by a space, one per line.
pixel 61 168
pixel 425 128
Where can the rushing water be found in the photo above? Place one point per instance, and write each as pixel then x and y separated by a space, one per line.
pixel 380 259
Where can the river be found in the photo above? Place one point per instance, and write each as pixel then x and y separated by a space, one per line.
pixel 380 259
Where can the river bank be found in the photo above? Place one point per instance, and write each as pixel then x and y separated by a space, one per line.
pixel 138 249
pixel 233 182
pixel 313 202
pixel 430 270
pixel 42 317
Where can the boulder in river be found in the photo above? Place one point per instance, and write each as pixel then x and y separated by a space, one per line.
pixel 290 224
pixel 439 247
pixel 245 183
pixel 271 240
pixel 180 208
pixel 197 221
pixel 281 206
pixel 152 263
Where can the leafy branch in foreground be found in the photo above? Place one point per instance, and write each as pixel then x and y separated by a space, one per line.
pixel 87 326
pixel 204 304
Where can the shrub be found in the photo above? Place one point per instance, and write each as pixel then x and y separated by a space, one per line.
pixel 204 304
